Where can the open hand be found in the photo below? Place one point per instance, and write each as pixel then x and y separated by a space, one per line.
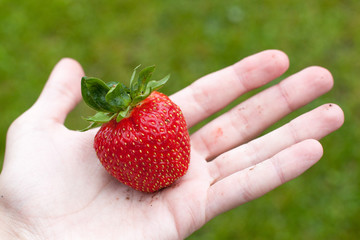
pixel 53 187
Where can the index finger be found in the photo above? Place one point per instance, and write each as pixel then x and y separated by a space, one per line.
pixel 213 92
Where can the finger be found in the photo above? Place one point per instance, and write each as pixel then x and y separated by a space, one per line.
pixel 312 125
pixel 254 115
pixel 216 90
pixel 257 180
pixel 61 92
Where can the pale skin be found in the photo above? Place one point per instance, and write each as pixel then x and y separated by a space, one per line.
pixel 53 187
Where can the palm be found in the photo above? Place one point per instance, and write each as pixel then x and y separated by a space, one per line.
pixel 65 184
pixel 56 181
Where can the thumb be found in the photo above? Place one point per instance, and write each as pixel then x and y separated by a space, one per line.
pixel 62 91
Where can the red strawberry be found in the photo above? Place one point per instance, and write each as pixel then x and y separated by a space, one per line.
pixel 143 141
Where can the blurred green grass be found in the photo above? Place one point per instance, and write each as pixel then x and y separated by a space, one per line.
pixel 190 39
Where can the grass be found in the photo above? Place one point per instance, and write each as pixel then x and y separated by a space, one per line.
pixel 190 39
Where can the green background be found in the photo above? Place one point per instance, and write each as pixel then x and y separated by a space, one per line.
pixel 190 39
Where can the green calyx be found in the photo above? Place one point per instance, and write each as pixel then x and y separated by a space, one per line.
pixel 114 99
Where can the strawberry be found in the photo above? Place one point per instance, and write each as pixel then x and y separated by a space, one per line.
pixel 143 141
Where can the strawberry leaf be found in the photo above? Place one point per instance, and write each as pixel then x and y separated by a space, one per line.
pixel 123 114
pixel 145 75
pixel 94 91
pixel 133 83
pixel 151 86
pixel 118 97
pixel 98 119
pixel 101 117
pixel 139 86
pixel 92 125
pixel 111 84
pixel 155 85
